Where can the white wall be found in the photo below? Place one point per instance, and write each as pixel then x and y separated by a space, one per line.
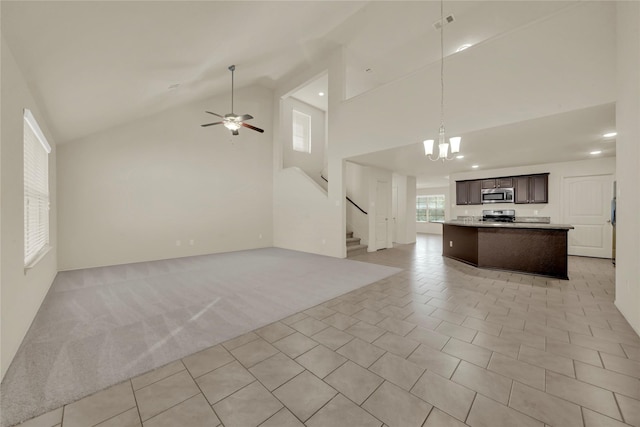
pixel 130 193
pixel 628 162
pixel 557 172
pixel 22 291
pixel 432 227
pixel 405 210
pixel 311 163
pixel 304 217
pixel 309 207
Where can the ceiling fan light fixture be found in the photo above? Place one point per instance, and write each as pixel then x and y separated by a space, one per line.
pixel 232 125
pixel 232 121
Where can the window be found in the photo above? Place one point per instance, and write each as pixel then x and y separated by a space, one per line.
pixel 36 191
pixel 430 208
pixel 301 132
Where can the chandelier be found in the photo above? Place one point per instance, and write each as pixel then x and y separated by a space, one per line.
pixel 444 147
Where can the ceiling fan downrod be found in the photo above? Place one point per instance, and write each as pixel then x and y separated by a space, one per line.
pixel 232 68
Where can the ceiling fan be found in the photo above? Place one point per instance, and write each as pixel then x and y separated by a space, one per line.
pixel 232 121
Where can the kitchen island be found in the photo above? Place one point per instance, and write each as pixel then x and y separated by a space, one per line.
pixel 532 248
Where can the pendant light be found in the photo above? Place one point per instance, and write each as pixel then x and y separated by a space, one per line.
pixel 444 147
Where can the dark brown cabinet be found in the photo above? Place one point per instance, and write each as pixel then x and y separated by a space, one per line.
pixel 531 189
pixel 497 183
pixel 468 192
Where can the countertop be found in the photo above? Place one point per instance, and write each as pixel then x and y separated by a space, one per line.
pixel 530 225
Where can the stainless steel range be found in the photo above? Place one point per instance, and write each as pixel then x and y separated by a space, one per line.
pixel 502 215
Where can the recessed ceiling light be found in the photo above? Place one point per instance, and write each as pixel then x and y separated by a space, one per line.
pixel 610 134
pixel 475 166
pixel 595 152
pixel 460 157
pixel 320 93
pixel 463 47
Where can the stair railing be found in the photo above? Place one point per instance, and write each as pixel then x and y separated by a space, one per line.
pixel 350 201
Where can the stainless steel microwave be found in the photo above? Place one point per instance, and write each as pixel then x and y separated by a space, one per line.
pixel 497 195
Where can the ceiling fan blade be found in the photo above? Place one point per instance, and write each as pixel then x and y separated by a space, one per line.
pixel 211 124
pixel 245 117
pixel 215 114
pixel 252 127
pixel 235 132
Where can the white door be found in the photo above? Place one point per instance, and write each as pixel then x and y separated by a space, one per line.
pixel 587 203
pixel 382 214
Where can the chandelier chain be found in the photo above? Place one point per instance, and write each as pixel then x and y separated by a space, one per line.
pixel 441 64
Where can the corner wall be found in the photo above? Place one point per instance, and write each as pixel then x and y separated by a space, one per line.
pixel 165 187
pixel 628 162
pixel 21 293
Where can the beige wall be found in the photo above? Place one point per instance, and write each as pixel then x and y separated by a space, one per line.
pixel 132 193
pixel 21 292
pixel 628 163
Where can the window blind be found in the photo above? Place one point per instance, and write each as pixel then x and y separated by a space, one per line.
pixel 301 132
pixel 36 190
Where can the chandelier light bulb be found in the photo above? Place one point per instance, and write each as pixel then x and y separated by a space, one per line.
pixel 444 149
pixel 428 147
pixel 455 144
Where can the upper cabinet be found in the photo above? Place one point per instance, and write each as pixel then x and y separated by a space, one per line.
pixel 497 183
pixel 468 192
pixel 532 188
pixel 527 189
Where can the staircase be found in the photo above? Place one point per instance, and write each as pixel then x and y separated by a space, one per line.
pixel 353 246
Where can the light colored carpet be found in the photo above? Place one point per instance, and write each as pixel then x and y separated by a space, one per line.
pixel 100 326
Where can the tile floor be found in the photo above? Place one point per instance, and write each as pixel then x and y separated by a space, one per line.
pixel 440 344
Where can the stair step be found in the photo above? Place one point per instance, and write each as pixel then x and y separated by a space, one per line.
pixel 349 234
pixel 353 241
pixel 356 250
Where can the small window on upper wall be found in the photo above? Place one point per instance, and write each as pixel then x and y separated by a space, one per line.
pixel 301 132
pixel 36 191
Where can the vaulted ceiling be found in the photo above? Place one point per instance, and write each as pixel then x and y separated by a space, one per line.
pixel 93 65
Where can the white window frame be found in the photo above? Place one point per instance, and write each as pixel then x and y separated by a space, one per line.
pixel 36 191
pixel 301 132
pixel 423 203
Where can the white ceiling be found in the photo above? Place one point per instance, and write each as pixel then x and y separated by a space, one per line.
pixel 558 138
pixel 93 65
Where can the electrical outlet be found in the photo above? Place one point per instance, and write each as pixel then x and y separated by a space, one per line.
pixel 450 243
